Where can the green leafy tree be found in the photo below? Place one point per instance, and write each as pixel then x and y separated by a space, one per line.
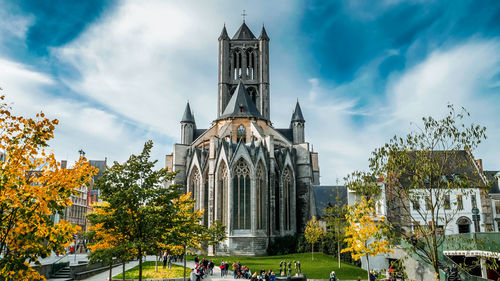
pixel 420 171
pixel 312 233
pixel 216 234
pixel 335 225
pixel 139 210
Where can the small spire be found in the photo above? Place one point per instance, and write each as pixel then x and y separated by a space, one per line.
pixel 243 15
pixel 263 34
pixel 223 34
pixel 188 115
pixel 297 113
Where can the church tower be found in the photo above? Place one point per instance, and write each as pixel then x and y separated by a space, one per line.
pixel 244 58
pixel 188 125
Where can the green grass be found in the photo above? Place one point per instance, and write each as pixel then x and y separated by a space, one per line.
pixel 148 271
pixel 320 268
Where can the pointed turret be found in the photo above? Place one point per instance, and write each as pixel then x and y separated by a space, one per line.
pixel 297 113
pixel 244 33
pixel 188 125
pixel 241 105
pixel 188 115
pixel 297 125
pixel 263 34
pixel 223 34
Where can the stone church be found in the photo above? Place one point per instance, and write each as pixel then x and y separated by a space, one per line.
pixel 254 178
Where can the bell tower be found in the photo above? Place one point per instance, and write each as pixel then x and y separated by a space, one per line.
pixel 244 58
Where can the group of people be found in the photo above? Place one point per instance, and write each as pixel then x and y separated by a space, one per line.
pixel 263 276
pixel 451 273
pixel 203 268
pixel 241 271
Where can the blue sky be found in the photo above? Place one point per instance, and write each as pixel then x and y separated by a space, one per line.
pixel 117 73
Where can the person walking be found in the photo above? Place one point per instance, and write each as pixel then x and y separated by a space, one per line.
pixel 169 261
pixel 164 259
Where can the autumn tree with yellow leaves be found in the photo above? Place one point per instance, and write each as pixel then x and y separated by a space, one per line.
pixel 33 187
pixel 364 232
pixel 312 233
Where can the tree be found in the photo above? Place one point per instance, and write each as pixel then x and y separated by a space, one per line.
pixel 187 230
pixel 216 234
pixel 421 171
pixel 335 225
pixel 140 211
pixel 32 189
pixel 364 232
pixel 312 233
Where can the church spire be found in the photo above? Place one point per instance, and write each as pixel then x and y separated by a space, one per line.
pixel 297 113
pixel 263 34
pixel 223 34
pixel 188 115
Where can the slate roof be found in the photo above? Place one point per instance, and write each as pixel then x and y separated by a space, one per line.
pixel 490 175
pixel 188 116
pixel 241 105
pixel 198 132
pixel 325 195
pixel 243 33
pixel 287 133
pixel 297 113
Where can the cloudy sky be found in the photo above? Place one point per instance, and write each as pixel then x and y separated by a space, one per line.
pixel 117 73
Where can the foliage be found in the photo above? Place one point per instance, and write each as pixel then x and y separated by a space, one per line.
pixel 216 233
pixel 32 189
pixel 320 268
pixel 149 272
pixel 335 225
pixel 139 212
pixel 312 233
pixel 364 231
pixel 421 170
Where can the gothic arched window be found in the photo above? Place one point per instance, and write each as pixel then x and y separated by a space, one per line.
pixel 237 63
pixel 222 194
pixel 260 182
pixel 241 134
pixel 287 186
pixel 241 195
pixel 195 185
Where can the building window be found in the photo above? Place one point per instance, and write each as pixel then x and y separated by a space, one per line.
pixel 260 196
pixel 195 187
pixel 222 196
pixel 416 204
pixel 460 202
pixel 473 201
pixel 287 186
pixel 241 195
pixel 497 207
pixel 446 202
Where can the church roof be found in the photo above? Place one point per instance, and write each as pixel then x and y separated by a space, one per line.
pixel 490 175
pixel 263 34
pixel 241 105
pixel 243 33
pixel 297 113
pixel 327 195
pixel 287 133
pixel 188 115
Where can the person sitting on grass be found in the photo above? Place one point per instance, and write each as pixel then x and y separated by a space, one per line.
pixel 333 276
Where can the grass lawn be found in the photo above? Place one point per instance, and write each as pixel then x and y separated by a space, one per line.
pixel 148 271
pixel 320 268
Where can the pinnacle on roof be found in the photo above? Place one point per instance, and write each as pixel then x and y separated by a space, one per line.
pixel 263 34
pixel 241 105
pixel 297 113
pixel 243 33
pixel 188 115
pixel 223 34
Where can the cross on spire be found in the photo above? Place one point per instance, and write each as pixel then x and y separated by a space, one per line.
pixel 243 15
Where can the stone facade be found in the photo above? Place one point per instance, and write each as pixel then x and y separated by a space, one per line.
pixel 256 179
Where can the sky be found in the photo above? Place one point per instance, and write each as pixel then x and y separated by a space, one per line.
pixel 119 73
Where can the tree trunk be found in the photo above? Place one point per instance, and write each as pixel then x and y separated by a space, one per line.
pixel 368 265
pixel 123 271
pixel 156 263
pixel 140 264
pixel 312 251
pixel 184 259
pixel 111 270
pixel 338 252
